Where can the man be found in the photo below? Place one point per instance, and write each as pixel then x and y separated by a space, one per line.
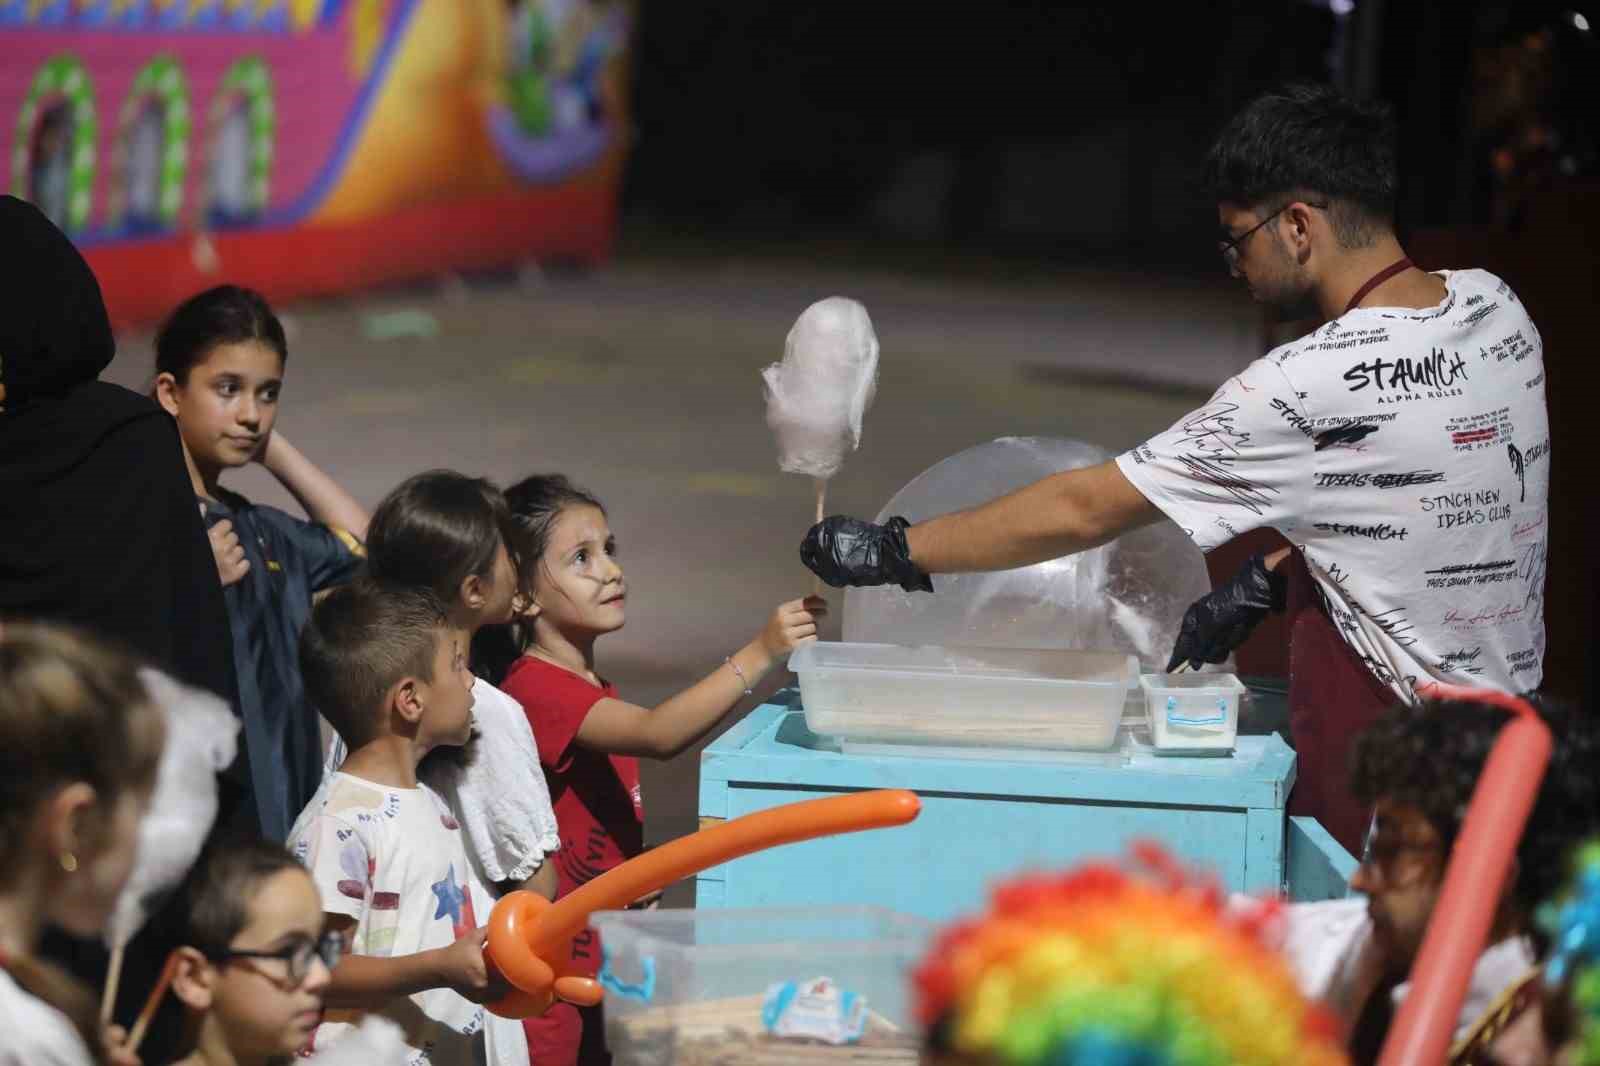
pixel 1418 766
pixel 1402 448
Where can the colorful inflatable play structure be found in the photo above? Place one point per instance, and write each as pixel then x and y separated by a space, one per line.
pixel 313 146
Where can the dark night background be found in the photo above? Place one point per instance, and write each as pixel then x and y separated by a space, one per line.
pixel 1037 129
pixel 997 139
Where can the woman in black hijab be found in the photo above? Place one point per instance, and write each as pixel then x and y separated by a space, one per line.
pixel 98 525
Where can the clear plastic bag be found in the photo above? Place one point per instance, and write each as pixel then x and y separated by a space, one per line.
pixel 1127 596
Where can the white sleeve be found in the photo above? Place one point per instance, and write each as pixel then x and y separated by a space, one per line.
pixel 1242 461
pixel 33 1033
pixel 340 863
pixel 500 796
pixel 1329 948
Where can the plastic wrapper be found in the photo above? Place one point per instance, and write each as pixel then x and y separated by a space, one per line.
pixel 1126 596
pixel 818 395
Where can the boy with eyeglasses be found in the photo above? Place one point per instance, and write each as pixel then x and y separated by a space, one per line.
pixel 256 959
pixel 1417 766
pixel 384 667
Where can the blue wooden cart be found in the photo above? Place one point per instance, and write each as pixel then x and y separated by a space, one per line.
pixel 984 820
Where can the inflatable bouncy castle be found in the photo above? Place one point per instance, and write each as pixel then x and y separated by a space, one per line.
pixel 312 146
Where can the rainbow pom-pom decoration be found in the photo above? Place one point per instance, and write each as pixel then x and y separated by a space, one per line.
pixel 1573 923
pixel 1106 965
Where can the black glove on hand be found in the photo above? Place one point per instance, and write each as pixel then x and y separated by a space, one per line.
pixel 847 551
pixel 1217 623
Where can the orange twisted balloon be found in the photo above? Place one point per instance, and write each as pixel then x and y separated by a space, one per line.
pixel 528 935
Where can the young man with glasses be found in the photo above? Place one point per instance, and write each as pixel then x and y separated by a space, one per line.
pixel 256 960
pixel 1417 767
pixel 1402 448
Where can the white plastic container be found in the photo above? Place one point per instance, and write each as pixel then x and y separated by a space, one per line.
pixel 975 697
pixel 689 985
pixel 1192 712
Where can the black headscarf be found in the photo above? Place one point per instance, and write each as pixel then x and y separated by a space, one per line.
pixel 99 528
pixel 98 524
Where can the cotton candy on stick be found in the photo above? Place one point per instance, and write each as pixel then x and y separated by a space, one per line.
pixel 818 395
pixel 201 739
pixel 377 1042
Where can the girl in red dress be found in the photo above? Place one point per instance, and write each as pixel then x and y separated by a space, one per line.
pixel 590 739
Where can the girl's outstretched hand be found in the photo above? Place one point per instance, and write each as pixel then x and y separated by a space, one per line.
pixel 793 624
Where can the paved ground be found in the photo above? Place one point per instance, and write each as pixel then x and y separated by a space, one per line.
pixel 641 381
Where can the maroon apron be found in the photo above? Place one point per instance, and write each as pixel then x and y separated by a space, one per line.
pixel 1333 697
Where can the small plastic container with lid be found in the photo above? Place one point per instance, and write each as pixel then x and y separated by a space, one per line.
pixel 692 986
pixel 1192 713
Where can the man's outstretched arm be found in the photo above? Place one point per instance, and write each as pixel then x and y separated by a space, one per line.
pixel 1055 516
pixel 1059 515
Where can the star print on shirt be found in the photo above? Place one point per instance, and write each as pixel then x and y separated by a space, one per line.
pixel 451 896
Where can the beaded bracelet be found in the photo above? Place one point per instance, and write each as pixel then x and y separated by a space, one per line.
pixel 745 681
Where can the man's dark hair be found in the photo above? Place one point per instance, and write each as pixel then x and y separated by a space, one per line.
pixel 361 639
pixel 223 885
pixel 1310 142
pixel 1429 756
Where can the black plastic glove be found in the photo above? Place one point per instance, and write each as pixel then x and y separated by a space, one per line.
pixel 1220 621
pixel 847 551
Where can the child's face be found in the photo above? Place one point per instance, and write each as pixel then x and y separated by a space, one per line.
pixel 580 586
pixel 264 1008
pixel 448 707
pixel 226 410
pixel 1401 873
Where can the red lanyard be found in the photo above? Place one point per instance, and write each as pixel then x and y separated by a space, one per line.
pixel 1377 279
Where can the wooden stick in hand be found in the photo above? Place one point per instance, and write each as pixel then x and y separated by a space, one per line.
pixel 822 503
pixel 136 1036
pixel 108 997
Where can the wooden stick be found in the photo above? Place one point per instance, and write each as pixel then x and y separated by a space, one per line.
pixel 822 497
pixel 168 971
pixel 108 998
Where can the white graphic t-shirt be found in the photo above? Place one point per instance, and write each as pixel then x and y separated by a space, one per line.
pixel 1407 453
pixel 499 795
pixel 393 859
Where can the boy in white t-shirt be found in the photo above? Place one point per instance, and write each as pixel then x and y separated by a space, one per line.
pixel 384 849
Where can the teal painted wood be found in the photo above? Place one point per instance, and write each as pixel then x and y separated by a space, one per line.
pixel 774 745
pixel 985 820
pixel 1318 867
pixel 1263 850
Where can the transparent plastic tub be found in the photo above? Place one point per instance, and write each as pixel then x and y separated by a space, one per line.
pixel 688 986
pixel 953 696
pixel 1192 712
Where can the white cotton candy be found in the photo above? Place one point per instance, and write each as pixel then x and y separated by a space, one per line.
pixel 377 1042
pixel 202 736
pixel 817 396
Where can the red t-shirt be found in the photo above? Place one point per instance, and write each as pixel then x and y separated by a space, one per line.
pixel 595 796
